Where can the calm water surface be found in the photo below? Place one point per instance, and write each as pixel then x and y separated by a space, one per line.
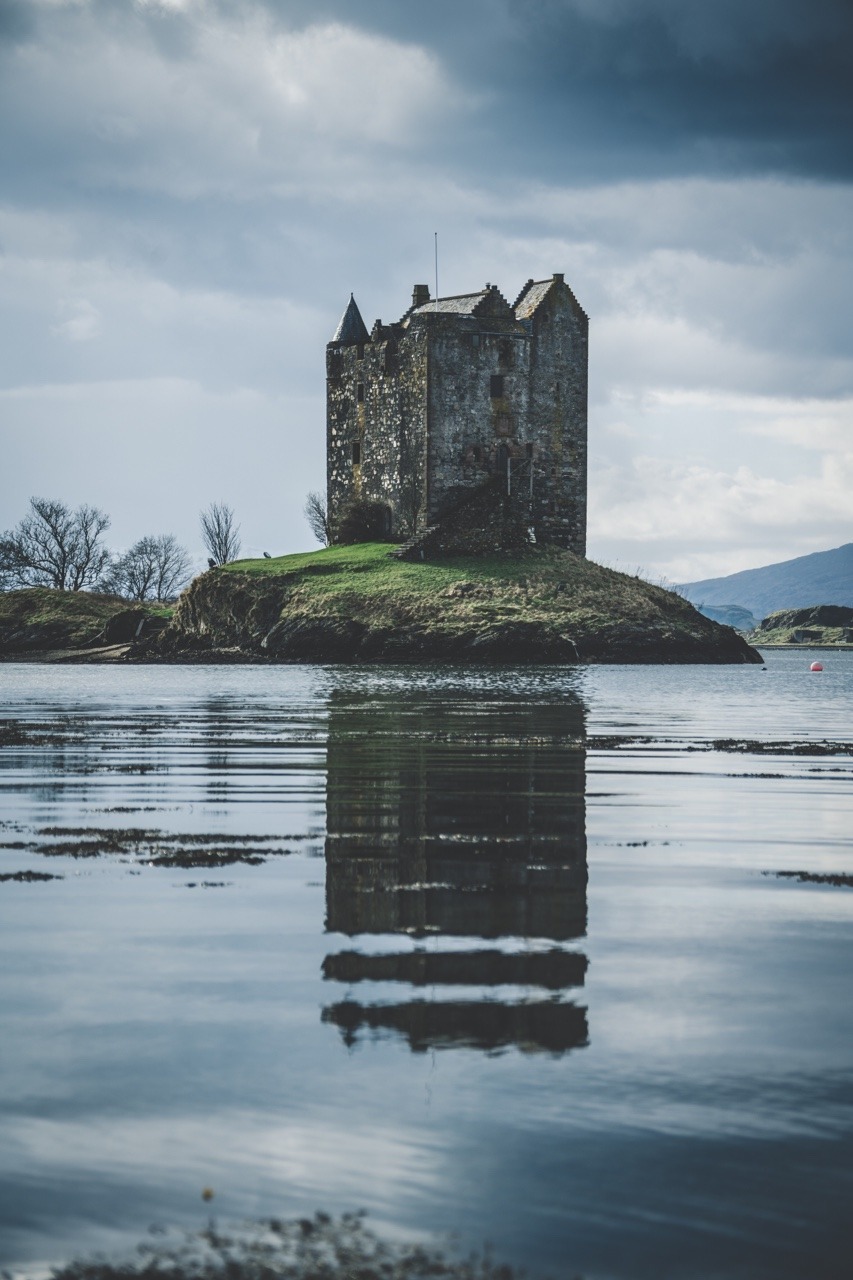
pixel 442 945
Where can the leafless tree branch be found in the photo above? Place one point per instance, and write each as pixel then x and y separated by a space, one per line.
pixel 317 515
pixel 153 569
pixel 221 536
pixel 54 546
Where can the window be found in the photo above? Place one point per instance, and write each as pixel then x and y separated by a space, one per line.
pixel 359 351
pixel 528 449
pixel 359 393
pixel 496 386
pixel 356 453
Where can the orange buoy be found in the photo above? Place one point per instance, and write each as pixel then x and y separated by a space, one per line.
pixel 816 666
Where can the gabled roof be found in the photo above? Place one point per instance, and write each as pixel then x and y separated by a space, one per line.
pixel 531 297
pixel 489 301
pixel 464 304
pixel 352 328
pixel 535 292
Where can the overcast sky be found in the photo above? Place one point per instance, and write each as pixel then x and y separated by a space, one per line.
pixel 190 189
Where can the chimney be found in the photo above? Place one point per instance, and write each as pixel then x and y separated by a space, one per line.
pixel 420 295
pixel 558 277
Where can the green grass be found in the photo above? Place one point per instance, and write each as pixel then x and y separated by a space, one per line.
pixel 61 619
pixel 384 569
pixel 539 583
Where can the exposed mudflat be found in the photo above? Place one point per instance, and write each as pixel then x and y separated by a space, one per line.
pixel 317 1248
pixel 838 878
pixel 757 747
pixel 27 877
pixel 151 848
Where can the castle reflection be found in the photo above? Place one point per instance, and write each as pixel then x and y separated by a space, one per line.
pixel 457 818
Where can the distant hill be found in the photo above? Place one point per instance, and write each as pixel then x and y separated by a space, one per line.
pixel 825 577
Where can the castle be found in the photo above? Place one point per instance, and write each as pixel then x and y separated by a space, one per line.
pixel 464 400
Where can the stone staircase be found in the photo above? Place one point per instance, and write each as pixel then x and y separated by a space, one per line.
pixel 408 550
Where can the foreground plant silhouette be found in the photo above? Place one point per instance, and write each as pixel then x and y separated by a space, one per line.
pixel 318 1248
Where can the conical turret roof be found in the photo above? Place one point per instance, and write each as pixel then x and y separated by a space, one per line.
pixel 352 328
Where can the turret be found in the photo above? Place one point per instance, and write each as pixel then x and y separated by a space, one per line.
pixel 352 329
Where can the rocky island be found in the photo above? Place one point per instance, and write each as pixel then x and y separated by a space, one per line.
pixel 360 604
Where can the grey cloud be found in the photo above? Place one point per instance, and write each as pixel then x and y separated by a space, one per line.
pixel 16 21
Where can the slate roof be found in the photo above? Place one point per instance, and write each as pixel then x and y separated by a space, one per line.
pixel 464 304
pixel 352 328
pixel 487 303
pixel 530 297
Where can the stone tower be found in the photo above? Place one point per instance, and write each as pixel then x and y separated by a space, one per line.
pixel 463 395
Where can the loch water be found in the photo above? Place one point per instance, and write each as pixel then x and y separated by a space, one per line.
pixel 504 953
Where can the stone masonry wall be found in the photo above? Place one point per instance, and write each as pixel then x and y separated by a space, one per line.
pixel 468 423
pixel 558 419
pixel 376 401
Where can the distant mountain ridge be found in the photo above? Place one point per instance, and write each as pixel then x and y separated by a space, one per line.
pixel 824 577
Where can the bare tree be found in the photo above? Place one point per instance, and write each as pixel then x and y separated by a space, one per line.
pixel 153 569
pixel 220 534
pixel 317 515
pixel 54 546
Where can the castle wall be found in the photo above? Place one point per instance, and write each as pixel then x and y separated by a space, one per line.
pixel 558 420
pixel 376 401
pixel 468 422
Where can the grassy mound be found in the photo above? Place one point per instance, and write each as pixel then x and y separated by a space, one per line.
pixel 42 619
pixel 359 603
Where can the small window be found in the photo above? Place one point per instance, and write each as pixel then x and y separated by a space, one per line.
pixel 496 386
pixel 359 393
pixel 529 450
pixel 475 340
pixel 356 453
pixel 359 351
